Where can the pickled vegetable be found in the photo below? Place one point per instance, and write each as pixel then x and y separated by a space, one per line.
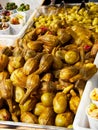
pixel 28 117
pixel 39 108
pixel 49 66
pixel 60 102
pixel 47 99
pixel 71 57
pixel 23 7
pixel 64 119
pixel 10 6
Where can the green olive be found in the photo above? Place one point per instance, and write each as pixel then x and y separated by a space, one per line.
pixel 27 7
pixel 64 119
pixel 24 7
pixel 39 108
pixel 60 102
pixel 47 99
pixel 71 57
pixel 10 6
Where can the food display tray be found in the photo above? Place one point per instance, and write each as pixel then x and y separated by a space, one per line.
pixel 81 120
pixel 9 39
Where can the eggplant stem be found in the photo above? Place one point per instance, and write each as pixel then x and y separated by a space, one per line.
pixel 75 78
pixel 10 104
pixel 26 96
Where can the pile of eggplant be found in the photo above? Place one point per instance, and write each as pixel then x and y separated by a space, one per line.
pixel 42 77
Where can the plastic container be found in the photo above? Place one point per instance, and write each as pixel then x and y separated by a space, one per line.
pixel 21 16
pixel 81 121
pixel 95 102
pixel 15 28
pixel 93 123
pixel 27 13
pixel 93 120
pixel 94 96
pixel 5 31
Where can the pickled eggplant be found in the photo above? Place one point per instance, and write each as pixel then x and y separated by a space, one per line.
pixel 18 93
pixel 28 105
pixel 32 84
pixel 45 63
pixel 68 72
pixel 28 117
pixel 32 64
pixel 49 40
pixel 15 78
pixel 6 92
pixel 3 61
pixel 47 117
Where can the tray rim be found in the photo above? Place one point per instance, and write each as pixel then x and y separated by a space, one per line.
pixel 11 123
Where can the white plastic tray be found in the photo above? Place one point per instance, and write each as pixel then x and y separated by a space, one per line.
pixel 81 121
pixel 9 39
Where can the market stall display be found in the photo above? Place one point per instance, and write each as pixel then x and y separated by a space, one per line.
pixel 55 57
pixel 4 28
